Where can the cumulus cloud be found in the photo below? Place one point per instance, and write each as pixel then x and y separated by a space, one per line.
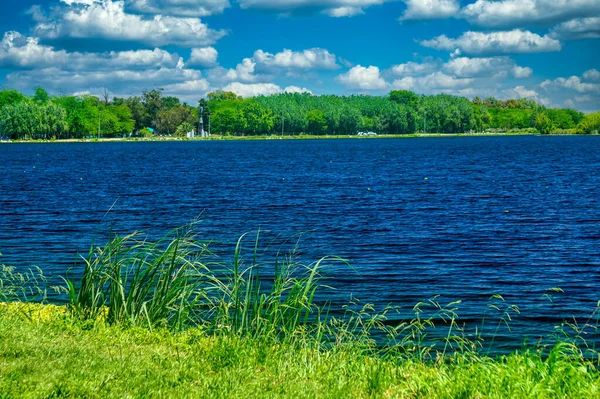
pixel 333 8
pixel 296 89
pixel 18 51
pixel 430 9
pixel 262 66
pixel 252 89
pixel 592 75
pixel 314 58
pixel 186 8
pixel 503 42
pixel 244 71
pixel 578 88
pixel 190 91
pixel 203 57
pixel 495 13
pixel 523 92
pixel 582 28
pixel 340 12
pixel 435 82
pixel 108 20
pixel 521 72
pixel 62 80
pixel 471 67
pixel 572 83
pixel 413 68
pixel 35 64
pixel 362 78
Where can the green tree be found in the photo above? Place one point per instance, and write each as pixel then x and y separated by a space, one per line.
pixel 9 97
pixel 405 97
pixel 590 124
pixel 152 101
pixel 258 119
pixel 31 120
pixel 316 122
pixel 544 124
pixel 168 119
pixel 183 129
pixel 220 95
pixel 228 120
pixel 41 95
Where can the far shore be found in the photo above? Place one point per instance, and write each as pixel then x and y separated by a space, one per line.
pixel 277 137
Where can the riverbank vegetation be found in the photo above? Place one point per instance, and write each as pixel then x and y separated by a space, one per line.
pixel 42 116
pixel 163 318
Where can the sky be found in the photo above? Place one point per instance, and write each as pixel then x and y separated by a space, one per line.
pixel 546 50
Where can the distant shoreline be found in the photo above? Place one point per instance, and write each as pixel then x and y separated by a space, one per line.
pixel 298 137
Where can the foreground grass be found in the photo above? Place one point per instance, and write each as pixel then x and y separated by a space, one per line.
pixel 45 353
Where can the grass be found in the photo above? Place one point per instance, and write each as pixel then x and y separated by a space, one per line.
pixel 44 353
pixel 164 319
pixel 216 137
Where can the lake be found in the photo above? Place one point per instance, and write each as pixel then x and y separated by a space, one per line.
pixel 459 217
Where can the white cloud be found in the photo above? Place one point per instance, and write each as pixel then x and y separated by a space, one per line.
pixel 471 67
pixel 521 72
pixel 243 71
pixel 262 65
pixel 503 42
pixel 572 83
pixel 464 67
pixel 253 89
pixel 18 51
pixel 413 68
pixel 57 79
pixel 296 89
pixel 582 28
pixel 494 13
pixel 190 91
pixel 333 8
pixel 314 58
pixel 74 72
pixel 108 20
pixel 71 2
pixel 430 9
pixel 432 83
pixel 575 88
pixel 340 12
pixel 187 8
pixel 195 86
pixel 203 57
pixel 592 75
pixel 363 78
pixel 523 92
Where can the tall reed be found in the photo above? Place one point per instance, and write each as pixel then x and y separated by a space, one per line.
pixel 177 283
pixel 134 281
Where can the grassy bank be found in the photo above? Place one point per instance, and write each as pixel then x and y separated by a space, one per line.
pixel 44 353
pixel 164 319
pixel 276 137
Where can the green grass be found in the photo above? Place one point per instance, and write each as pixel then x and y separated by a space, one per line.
pixel 44 353
pixel 164 319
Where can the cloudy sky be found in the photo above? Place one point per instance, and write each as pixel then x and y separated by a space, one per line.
pixel 547 50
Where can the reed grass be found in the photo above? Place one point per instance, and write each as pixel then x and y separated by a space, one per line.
pixel 166 318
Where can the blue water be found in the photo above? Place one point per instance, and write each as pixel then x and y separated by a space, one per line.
pixel 464 218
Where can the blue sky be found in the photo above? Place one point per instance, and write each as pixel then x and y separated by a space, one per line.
pixel 547 50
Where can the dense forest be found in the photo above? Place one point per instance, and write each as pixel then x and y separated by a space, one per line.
pixel 42 116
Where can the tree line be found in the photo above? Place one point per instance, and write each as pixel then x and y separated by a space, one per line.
pixel 42 116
